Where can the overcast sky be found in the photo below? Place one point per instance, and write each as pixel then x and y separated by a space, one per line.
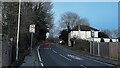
pixel 101 15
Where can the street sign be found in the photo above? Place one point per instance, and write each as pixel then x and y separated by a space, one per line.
pixel 32 28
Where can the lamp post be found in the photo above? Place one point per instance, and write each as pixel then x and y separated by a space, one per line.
pixel 18 30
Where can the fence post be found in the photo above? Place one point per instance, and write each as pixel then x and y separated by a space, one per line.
pixel 98 49
pixel 90 48
pixel 93 48
pixel 118 53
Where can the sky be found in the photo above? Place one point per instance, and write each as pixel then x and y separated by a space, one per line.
pixel 101 15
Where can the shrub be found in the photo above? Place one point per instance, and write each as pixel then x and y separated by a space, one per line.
pixel 72 41
pixel 82 45
pixel 102 35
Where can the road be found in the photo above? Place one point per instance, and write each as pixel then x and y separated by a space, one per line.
pixel 55 55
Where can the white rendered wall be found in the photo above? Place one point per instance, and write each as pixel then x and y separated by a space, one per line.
pixel 87 36
pixel 83 34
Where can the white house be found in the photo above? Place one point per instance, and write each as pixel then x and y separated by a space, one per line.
pixel 86 33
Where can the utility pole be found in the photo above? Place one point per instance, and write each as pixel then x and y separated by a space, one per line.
pixel 17 49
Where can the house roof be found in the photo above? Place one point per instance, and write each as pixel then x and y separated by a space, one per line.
pixel 84 28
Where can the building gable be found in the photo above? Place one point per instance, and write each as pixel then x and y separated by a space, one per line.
pixel 84 28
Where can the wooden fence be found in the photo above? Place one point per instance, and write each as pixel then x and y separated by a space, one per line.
pixel 107 50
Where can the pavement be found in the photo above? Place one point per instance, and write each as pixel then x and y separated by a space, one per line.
pixel 31 60
pixel 56 55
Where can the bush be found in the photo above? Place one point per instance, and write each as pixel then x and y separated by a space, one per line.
pixel 82 45
pixel 64 36
pixel 102 35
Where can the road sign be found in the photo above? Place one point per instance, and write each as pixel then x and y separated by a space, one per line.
pixel 32 28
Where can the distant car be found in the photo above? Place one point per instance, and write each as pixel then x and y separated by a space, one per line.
pixel 61 42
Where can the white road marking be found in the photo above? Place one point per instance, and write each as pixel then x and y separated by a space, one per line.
pixel 103 63
pixel 54 51
pixel 65 57
pixel 100 62
pixel 83 66
pixel 39 56
pixel 74 57
pixel 42 64
pixel 82 59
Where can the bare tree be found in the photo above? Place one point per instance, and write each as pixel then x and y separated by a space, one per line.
pixel 115 33
pixel 43 18
pixel 83 21
pixel 0 12
pixel 69 19
pixel 9 18
pixel 39 14
pixel 1 17
pixel 107 32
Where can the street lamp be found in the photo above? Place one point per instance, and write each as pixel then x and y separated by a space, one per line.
pixel 18 30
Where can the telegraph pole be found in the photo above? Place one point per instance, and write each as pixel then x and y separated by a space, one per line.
pixel 18 30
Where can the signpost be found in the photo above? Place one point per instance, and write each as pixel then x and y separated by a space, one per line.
pixel 32 30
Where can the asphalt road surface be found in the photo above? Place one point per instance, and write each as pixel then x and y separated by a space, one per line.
pixel 55 55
